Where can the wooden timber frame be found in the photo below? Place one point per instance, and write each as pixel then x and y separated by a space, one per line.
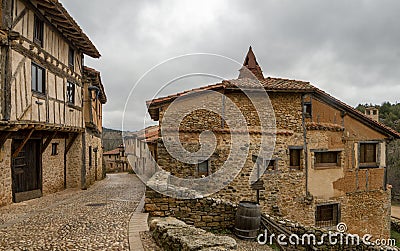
pixel 46 133
pixel 36 114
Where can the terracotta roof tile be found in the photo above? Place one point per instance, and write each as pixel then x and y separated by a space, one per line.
pixel 112 152
pixel 271 85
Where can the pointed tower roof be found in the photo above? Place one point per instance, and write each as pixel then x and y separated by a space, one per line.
pixel 250 63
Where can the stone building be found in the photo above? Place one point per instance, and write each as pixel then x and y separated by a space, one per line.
pixel 50 104
pixel 141 150
pixel 328 164
pixel 116 160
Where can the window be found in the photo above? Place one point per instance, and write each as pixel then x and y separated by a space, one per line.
pixel 269 165
pixel 70 92
pixel 327 215
pixel 54 149
pixel 368 155
pixel 38 79
pixel 307 109
pixel 71 58
pixel 38 31
pixel 294 158
pixel 202 168
pixel 327 159
pixel 90 156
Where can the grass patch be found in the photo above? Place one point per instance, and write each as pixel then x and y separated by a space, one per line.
pixel 395 235
pixel 274 247
pixel 221 232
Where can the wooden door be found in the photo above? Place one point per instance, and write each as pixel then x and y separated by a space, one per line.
pixel 26 171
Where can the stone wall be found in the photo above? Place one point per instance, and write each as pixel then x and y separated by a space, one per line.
pixel 206 213
pixel 74 164
pixel 172 234
pixel 94 170
pixel 367 213
pixel 5 174
pixel 289 192
pixel 277 225
pixel 53 168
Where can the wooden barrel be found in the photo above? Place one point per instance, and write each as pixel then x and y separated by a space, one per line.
pixel 247 221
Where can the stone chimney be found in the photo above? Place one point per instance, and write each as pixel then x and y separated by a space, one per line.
pixel 372 112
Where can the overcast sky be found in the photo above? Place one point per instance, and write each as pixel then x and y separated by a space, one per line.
pixel 350 49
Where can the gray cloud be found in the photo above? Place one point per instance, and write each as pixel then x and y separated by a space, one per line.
pixel 348 48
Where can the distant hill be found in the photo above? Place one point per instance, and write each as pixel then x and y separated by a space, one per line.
pixel 111 139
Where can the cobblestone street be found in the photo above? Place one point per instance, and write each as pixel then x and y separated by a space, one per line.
pixel 94 219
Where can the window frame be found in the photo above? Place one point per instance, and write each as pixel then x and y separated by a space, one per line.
pixel 208 167
pixel 54 149
pixel 90 156
pixel 326 165
pixel 365 165
pixel 261 161
pixel 34 80
pixel 335 215
pixel 72 96
pixel 307 109
pixel 38 31
pixel 298 149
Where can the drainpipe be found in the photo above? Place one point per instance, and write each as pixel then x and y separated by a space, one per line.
pixel 83 170
pixel 385 177
pixel 6 58
pixel 65 163
pixel 305 147
pixel 223 111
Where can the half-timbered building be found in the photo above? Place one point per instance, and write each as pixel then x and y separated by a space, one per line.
pixel 50 104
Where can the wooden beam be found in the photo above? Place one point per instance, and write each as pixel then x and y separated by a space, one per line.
pixel 46 5
pixel 48 141
pixel 19 148
pixel 4 138
pixel 71 142
pixel 49 66
pixel 20 16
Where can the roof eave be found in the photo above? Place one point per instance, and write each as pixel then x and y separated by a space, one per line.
pixel 359 116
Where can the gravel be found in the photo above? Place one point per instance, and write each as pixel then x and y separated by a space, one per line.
pixel 94 219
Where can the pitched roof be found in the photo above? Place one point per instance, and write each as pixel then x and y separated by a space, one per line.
pixel 94 77
pixel 55 12
pixel 250 63
pixel 271 85
pixel 357 114
pixel 112 152
pixel 148 134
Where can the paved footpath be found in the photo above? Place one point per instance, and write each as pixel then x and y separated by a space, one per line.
pixel 396 211
pixel 94 219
